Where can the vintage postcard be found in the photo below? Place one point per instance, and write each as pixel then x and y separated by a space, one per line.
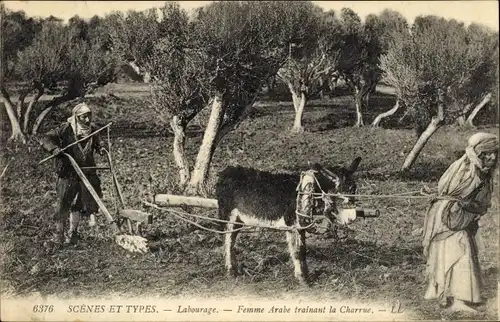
pixel 249 160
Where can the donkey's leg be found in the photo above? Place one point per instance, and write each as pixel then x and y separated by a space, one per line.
pixel 296 246
pixel 230 241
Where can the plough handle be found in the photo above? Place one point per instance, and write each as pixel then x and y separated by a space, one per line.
pixel 76 142
pixel 118 189
pixel 90 189
pixel 115 181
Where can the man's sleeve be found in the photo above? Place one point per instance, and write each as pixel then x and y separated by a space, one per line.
pixel 52 139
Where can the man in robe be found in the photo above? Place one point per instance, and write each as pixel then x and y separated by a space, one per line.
pixel 69 186
pixel 451 224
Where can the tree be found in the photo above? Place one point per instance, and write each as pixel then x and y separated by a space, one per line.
pixel 484 79
pixel 42 65
pixel 178 90
pixel 44 54
pixel 133 36
pixel 243 44
pixel 358 63
pixel 312 55
pixel 390 27
pixel 17 33
pixel 432 67
pixel 220 60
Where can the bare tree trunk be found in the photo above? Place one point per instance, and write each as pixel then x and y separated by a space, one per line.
pixel 227 127
pixel 434 125
pixel 35 99
pixel 20 104
pixel 383 115
pixel 136 68
pixel 17 135
pixel 178 149
pixel 39 120
pixel 359 104
pixel 321 85
pixel 147 77
pixel 298 103
pixel 271 81
pixel 476 110
pixel 461 118
pixel 199 175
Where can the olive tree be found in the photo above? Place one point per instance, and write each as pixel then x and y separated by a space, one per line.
pixel 484 79
pixel 219 60
pixel 312 53
pixel 133 36
pixel 390 26
pixel 432 67
pixel 359 59
pixel 42 63
pixel 177 87
pixel 244 45
pixel 85 61
pixel 18 32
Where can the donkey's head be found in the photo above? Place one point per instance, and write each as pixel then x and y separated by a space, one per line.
pixel 338 180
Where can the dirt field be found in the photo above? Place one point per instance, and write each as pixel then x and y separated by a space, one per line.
pixel 379 259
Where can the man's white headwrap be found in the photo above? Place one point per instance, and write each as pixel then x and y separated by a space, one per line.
pixel 79 129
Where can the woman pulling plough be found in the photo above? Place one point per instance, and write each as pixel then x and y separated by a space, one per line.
pixel 450 227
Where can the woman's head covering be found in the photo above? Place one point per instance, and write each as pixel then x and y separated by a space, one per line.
pixel 483 142
pixel 462 177
pixel 479 143
pixel 79 128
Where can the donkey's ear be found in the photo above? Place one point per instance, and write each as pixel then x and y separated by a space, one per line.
pixel 354 165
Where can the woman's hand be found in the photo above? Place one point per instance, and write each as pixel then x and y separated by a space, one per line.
pixel 472 207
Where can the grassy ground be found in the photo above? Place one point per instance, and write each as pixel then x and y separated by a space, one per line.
pixel 379 259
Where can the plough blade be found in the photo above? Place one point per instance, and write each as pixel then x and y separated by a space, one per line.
pixel 136 215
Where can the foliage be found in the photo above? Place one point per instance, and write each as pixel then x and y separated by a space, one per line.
pixel 177 68
pixel 312 47
pixel 439 55
pixel 228 48
pixel 360 52
pixel 43 62
pixel 133 35
pixel 18 32
pixel 89 64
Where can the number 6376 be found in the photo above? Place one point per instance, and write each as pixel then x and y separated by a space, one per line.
pixel 43 308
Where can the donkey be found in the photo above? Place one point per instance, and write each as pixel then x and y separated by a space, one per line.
pixel 253 197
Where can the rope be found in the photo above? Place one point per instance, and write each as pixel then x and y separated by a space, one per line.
pixel 181 213
pixel 321 195
pixel 407 195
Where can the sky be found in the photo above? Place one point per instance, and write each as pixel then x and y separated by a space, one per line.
pixel 485 12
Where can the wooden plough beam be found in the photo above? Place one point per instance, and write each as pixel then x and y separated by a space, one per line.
pixel 168 200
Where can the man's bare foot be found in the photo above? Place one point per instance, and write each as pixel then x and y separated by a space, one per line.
pixel 459 305
pixel 92 222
